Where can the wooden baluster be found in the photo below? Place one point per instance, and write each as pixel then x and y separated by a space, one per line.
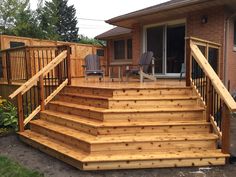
pixel 209 100
pixel 188 63
pixel 8 62
pixel 27 63
pixel 68 64
pixel 226 117
pixel 20 113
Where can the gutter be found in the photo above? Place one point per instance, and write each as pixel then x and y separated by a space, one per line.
pixel 227 27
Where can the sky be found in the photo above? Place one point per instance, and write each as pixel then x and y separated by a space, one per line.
pixel 91 14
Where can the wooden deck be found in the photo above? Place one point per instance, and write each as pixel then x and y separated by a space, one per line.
pixel 132 83
pixel 103 125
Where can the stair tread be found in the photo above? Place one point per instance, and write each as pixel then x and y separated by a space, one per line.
pixel 129 87
pixel 59 146
pixel 152 155
pixel 70 132
pixel 82 156
pixel 96 123
pixel 104 110
pixel 131 98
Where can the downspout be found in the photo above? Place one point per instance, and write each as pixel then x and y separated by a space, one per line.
pixel 227 27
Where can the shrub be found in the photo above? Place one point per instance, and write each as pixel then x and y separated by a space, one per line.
pixel 8 115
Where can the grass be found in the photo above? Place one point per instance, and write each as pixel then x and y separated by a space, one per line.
pixel 9 168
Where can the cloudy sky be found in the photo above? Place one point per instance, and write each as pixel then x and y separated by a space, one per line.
pixel 92 13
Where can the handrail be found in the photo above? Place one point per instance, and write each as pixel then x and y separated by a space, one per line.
pixel 216 82
pixel 203 41
pixel 36 93
pixel 25 87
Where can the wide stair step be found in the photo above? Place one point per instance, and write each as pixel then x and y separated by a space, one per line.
pixel 136 141
pixel 96 127
pixel 121 159
pixel 127 115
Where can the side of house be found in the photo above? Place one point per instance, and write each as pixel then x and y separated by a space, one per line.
pixel 163 29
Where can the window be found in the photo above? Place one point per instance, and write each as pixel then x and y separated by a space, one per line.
pixel 16 44
pixel 100 52
pixel 119 49
pixel 129 49
pixel 123 49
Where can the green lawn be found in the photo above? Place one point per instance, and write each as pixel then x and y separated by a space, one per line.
pixel 9 168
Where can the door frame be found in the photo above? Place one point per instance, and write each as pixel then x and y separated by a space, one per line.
pixel 165 25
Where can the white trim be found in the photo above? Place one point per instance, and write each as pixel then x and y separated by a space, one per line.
pixel 165 24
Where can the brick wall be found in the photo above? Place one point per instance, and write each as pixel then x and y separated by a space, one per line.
pixel 136 39
pixel 213 30
pixel 231 59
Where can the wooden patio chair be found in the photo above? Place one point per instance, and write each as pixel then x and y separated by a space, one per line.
pixel 92 67
pixel 142 69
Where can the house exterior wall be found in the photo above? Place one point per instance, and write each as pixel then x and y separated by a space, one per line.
pixel 213 30
pixel 231 58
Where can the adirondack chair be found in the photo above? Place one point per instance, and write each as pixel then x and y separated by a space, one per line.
pixel 92 67
pixel 142 69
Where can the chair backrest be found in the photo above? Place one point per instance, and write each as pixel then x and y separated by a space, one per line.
pixel 92 62
pixel 146 60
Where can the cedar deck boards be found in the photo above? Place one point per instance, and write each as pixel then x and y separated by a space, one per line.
pixel 117 125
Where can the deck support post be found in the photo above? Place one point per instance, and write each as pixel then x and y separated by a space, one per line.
pixel 20 113
pixel 226 116
pixel 188 63
pixel 68 65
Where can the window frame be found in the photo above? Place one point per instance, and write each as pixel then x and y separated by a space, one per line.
pixel 126 59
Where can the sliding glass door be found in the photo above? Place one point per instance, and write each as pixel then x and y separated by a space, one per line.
pixel 168 45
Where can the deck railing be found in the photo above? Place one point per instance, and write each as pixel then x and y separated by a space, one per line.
pixel 217 99
pixel 21 63
pixel 51 77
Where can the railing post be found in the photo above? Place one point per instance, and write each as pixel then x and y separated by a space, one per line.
pixel 188 62
pixel 226 116
pixel 209 105
pixel 8 67
pixel 41 93
pixel 20 113
pixel 68 64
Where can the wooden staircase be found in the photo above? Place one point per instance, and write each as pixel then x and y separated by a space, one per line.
pixel 106 128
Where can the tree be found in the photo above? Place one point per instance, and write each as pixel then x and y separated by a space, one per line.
pixel 59 21
pixel 9 10
pixel 26 25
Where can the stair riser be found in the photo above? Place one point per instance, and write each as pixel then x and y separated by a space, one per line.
pixel 101 103
pixel 77 126
pixel 52 152
pixel 61 137
pixel 154 116
pixel 76 111
pixel 194 162
pixel 127 129
pixel 153 92
pixel 129 92
pixel 154 145
pixel 152 104
pixel 155 129
pixel 131 116
pixel 89 91
pixel 128 104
